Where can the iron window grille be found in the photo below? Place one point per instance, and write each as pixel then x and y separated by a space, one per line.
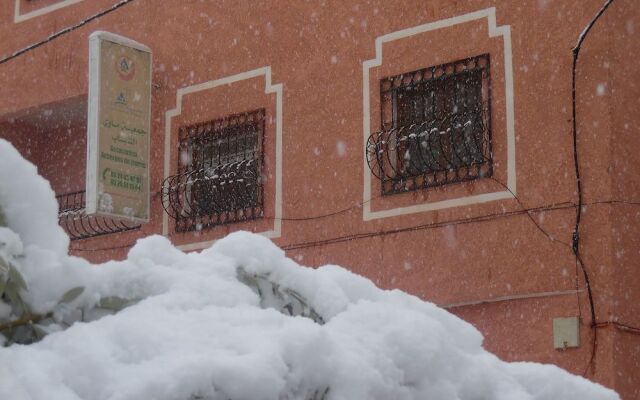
pixel 219 173
pixel 78 225
pixel 435 127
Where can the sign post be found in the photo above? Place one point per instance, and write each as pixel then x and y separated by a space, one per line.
pixel 118 128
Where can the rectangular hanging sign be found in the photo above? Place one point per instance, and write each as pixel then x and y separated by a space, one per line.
pixel 118 128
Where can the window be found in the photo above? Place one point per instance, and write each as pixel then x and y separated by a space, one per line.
pixel 435 127
pixel 219 173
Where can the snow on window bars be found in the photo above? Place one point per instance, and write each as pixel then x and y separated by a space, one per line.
pixel 74 220
pixel 219 168
pixel 435 127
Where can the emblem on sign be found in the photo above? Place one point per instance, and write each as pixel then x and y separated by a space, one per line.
pixel 126 68
pixel 121 99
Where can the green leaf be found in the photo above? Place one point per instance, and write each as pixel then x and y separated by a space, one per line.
pixel 38 331
pixel 8 334
pixel 16 277
pixel 3 283
pixel 71 295
pixel 115 303
pixel 12 293
pixel 4 266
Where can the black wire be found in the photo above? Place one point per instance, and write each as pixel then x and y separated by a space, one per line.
pixel 576 53
pixel 64 31
pixel 331 214
pixel 549 236
pixel 461 221
pixel 575 244
pixel 621 326
pixel 613 201
pixel 486 217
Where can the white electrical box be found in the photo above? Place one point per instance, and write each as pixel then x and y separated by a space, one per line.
pixel 566 332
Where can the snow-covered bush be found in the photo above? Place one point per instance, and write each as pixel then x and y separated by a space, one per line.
pixel 236 321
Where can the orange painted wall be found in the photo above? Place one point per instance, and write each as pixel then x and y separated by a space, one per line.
pixel 489 263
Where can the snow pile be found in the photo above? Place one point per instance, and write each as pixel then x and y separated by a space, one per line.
pixel 199 331
pixel 28 204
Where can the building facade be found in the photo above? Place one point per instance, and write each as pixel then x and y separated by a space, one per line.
pixel 426 145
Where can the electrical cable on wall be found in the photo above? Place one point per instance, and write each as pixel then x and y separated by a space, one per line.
pixel 575 244
pixel 64 31
pixel 461 221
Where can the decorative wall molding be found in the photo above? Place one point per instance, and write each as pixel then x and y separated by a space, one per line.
pixel 228 80
pixel 494 31
pixel 18 17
